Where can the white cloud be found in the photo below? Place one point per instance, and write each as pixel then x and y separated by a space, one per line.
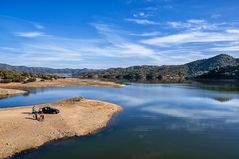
pixel 118 45
pixel 29 34
pixel 141 15
pixel 225 49
pixel 142 21
pixel 192 37
pixel 236 31
pixel 194 24
pixel 196 21
pixel 38 26
pixel 51 50
pixel 155 33
pixel 114 46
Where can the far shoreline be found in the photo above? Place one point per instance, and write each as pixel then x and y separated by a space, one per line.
pixel 14 88
pixel 62 82
pixel 6 92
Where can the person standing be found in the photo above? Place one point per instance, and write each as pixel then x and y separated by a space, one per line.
pixel 34 112
pixel 33 109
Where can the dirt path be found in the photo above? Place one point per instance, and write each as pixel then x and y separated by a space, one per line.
pixel 19 131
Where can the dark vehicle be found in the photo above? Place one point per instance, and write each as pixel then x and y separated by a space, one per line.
pixel 49 110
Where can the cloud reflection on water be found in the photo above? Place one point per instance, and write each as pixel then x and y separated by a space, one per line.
pixel 198 108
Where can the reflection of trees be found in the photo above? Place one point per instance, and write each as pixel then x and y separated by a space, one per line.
pixel 4 97
pixel 217 85
pixel 222 99
pixel 37 90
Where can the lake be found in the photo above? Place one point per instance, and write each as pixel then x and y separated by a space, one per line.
pixel 168 121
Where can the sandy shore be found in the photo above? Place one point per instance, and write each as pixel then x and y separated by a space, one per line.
pixel 61 83
pixel 18 130
pixel 10 92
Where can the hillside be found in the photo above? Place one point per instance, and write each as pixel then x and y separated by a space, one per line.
pixel 7 76
pixel 45 70
pixel 228 72
pixel 174 73
pixel 202 66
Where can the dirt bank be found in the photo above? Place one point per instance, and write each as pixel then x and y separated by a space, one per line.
pixel 10 92
pixel 61 83
pixel 19 131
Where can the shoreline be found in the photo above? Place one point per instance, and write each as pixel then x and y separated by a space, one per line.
pixel 6 92
pixel 14 88
pixel 78 117
pixel 19 154
pixel 61 83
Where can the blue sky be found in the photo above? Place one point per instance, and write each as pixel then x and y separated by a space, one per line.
pixel 116 33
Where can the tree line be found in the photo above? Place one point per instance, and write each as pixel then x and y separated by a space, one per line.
pixel 7 76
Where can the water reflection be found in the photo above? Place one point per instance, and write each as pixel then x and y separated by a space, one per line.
pixel 159 120
pixel 217 85
pixel 222 99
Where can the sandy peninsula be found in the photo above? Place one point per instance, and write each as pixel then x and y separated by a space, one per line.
pixel 10 92
pixel 61 83
pixel 78 117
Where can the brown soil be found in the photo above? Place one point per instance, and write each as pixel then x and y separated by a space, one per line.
pixel 77 117
pixel 10 92
pixel 61 83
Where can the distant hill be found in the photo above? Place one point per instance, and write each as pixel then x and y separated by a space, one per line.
pixel 202 66
pixel 45 70
pixel 7 76
pixel 174 73
pixel 228 72
pixel 205 68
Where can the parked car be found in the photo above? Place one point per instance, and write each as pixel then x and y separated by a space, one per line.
pixel 49 110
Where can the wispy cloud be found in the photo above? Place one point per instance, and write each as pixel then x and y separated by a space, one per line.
pixel 30 43
pixel 29 34
pixel 226 49
pixel 37 25
pixel 22 23
pixel 142 14
pixel 56 51
pixel 194 24
pixel 119 46
pixel 141 21
pixel 155 33
pixel 236 31
pixel 192 37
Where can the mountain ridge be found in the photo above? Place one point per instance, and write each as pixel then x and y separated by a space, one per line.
pixel 45 70
pixel 168 73
pixel 138 73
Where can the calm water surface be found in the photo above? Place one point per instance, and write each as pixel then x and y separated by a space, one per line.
pixel 168 121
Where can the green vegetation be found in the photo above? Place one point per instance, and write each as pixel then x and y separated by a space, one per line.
pixel 7 76
pixel 200 67
pixel 175 73
pixel 44 70
pixel 222 99
pixel 140 73
pixel 228 72
pixel 218 67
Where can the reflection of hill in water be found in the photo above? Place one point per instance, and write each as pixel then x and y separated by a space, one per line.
pixel 216 85
pixel 222 99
